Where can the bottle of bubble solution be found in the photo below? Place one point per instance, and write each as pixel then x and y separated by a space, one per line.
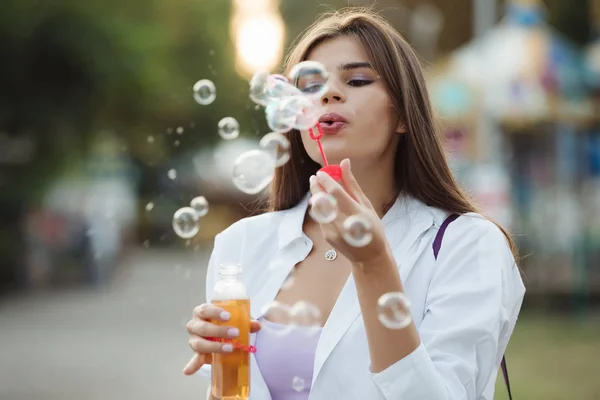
pixel 231 371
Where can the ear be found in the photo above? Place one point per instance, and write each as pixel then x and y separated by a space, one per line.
pixel 401 127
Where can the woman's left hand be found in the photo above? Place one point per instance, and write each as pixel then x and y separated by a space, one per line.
pixel 350 201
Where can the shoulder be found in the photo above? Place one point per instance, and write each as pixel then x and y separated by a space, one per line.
pixel 465 228
pixel 474 226
pixel 475 247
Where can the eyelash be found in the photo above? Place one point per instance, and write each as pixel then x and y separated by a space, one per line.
pixel 351 83
pixel 359 82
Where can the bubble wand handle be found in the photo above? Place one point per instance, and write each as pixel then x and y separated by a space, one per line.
pixel 333 170
pixel 317 138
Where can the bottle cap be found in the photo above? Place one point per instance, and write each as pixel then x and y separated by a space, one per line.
pixel 335 171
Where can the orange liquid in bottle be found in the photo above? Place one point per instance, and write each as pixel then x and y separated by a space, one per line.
pixel 231 371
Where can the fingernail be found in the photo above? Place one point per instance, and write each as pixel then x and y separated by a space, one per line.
pixel 233 332
pixel 321 175
pixel 349 165
pixel 228 348
pixel 225 315
pixel 312 179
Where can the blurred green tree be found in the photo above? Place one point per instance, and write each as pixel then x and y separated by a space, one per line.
pixel 72 69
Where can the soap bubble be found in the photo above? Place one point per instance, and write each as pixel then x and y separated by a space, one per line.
pixel 306 314
pixel 229 128
pixel 296 111
pixel 307 112
pixel 253 171
pixel 280 314
pixel 278 146
pixel 280 118
pixel 298 384
pixel 200 205
pixel 357 231
pixel 258 88
pixel 149 206
pixel 323 207
pixel 204 92
pixel 278 87
pixel 150 139
pixel 393 310
pixel 310 77
pixel 172 174
pixel 277 311
pixel 180 130
pixel 186 222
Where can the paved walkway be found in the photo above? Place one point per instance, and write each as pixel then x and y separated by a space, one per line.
pixel 127 341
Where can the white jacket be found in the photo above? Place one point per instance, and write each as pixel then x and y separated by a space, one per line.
pixel 464 304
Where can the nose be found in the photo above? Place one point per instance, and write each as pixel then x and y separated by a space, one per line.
pixel 332 94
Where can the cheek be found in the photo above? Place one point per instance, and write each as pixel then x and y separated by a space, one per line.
pixel 309 145
pixel 378 121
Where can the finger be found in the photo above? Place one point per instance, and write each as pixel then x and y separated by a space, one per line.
pixel 208 311
pixel 204 346
pixel 315 186
pixel 254 326
pixel 203 328
pixel 345 202
pixel 351 184
pixel 196 362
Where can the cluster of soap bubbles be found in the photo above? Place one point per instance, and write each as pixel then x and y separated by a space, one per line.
pixel 301 314
pixel 292 103
pixel 205 93
pixel 357 230
pixel 186 220
pixel 393 311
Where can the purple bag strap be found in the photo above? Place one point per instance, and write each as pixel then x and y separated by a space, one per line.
pixel 437 245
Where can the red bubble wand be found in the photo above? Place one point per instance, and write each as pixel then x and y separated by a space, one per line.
pixel 333 170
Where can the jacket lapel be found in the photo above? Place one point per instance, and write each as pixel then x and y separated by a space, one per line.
pixel 273 275
pixel 290 252
pixel 405 224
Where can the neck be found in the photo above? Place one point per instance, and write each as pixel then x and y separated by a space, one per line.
pixel 378 184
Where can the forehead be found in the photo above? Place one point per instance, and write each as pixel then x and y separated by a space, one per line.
pixel 333 53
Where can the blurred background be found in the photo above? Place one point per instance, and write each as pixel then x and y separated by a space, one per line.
pixel 101 141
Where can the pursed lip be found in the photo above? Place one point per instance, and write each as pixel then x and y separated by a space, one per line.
pixel 332 117
pixel 332 123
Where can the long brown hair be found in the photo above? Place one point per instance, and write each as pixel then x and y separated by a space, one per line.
pixel 421 168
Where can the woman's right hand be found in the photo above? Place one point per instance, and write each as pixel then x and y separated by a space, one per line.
pixel 201 329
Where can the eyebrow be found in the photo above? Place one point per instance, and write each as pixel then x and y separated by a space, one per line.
pixel 355 65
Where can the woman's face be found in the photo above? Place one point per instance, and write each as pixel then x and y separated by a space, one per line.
pixel 362 124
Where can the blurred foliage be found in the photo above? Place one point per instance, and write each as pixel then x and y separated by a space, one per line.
pixel 71 69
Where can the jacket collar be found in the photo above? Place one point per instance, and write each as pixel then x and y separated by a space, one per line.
pixel 293 219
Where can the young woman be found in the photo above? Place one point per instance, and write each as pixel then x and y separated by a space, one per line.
pixel 465 291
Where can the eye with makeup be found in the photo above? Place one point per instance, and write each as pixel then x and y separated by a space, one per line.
pixel 358 82
pixel 310 87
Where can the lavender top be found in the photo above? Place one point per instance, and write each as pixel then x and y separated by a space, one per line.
pixel 285 356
